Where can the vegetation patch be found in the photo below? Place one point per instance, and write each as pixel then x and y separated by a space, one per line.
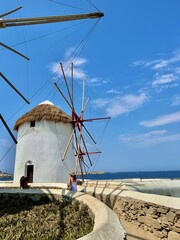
pixel 39 216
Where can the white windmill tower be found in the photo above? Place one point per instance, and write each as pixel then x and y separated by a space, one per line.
pixel 43 134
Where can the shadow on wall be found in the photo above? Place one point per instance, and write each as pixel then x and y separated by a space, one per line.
pixel 110 198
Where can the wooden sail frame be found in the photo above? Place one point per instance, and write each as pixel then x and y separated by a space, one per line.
pixel 14 22
pixel 78 125
pixel 21 95
pixel 8 129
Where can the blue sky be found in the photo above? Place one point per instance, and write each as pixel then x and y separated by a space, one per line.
pixel 131 64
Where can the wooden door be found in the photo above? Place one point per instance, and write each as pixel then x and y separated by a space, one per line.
pixel 30 170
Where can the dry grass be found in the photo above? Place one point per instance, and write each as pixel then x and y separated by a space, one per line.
pixel 33 217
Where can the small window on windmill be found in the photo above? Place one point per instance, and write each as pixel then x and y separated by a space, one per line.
pixel 32 124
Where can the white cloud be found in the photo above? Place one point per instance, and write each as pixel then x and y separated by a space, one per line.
pixel 113 91
pixel 140 62
pixel 166 86
pixel 101 102
pixel 150 138
pixel 71 55
pixel 69 52
pixel 157 64
pixel 78 71
pixel 119 105
pixel 175 101
pixel 164 79
pixel 177 70
pixel 162 120
pixel 80 61
pixel 162 63
pixel 97 81
pixel 165 69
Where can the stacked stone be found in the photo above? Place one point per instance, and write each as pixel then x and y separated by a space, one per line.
pixel 162 221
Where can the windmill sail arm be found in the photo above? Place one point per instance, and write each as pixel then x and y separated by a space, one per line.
pixel 86 151
pixel 12 86
pixel 89 133
pixel 51 19
pixel 67 147
pixel 85 105
pixel 98 152
pixel 13 50
pixel 90 120
pixel 12 11
pixel 8 129
pixel 62 69
pixel 82 174
pixel 84 163
pixel 95 119
pixel 72 83
pixel 63 95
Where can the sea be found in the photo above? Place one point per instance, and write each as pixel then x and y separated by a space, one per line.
pixel 127 175
pixel 130 175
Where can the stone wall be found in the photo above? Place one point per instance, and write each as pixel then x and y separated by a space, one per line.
pixel 163 222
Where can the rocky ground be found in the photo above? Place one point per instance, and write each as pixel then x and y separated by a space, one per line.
pixel 24 217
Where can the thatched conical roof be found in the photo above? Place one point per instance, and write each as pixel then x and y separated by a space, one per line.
pixel 44 111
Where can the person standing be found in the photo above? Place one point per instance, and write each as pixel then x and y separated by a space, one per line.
pixel 72 182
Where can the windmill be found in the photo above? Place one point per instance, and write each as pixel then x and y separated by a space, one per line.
pixel 78 121
pixel 78 124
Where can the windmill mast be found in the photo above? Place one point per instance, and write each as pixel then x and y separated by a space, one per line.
pixel 14 22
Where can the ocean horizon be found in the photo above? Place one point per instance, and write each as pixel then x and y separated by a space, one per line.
pixel 127 175
pixel 134 174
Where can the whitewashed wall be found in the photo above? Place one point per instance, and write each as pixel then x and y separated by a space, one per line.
pixel 44 145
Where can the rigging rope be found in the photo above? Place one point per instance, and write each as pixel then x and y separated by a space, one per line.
pixel 61 40
pixel 78 50
pixel 59 146
pixel 45 35
pixel 14 114
pixel 92 4
pixel 64 4
pixel 82 44
pixel 35 95
pixel 103 132
pixel 44 85
pixel 7 152
pixel 26 50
